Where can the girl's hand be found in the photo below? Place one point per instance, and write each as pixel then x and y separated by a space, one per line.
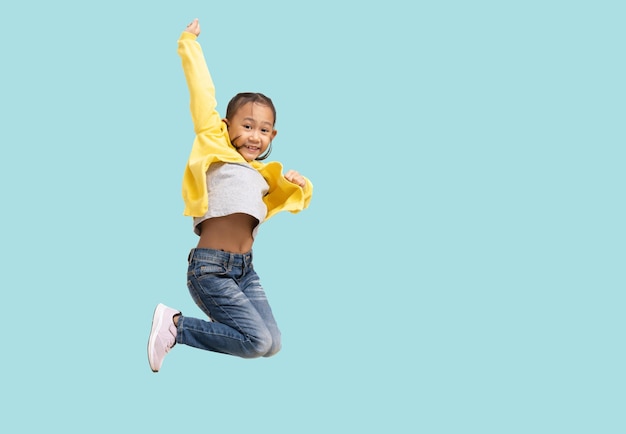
pixel 194 27
pixel 295 178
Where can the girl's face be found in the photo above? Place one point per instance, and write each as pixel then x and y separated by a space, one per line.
pixel 251 129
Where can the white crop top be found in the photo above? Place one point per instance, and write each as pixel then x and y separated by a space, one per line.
pixel 234 188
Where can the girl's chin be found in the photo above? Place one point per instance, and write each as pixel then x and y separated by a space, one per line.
pixel 248 155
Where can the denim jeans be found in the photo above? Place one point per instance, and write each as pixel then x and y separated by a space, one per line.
pixel 227 289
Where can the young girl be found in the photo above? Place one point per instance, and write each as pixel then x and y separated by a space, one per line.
pixel 229 193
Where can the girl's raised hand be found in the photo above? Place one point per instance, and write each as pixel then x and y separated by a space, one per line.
pixel 295 178
pixel 194 27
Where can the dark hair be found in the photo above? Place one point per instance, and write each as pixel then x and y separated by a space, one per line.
pixel 244 98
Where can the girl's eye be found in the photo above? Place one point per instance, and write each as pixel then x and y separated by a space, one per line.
pixel 247 127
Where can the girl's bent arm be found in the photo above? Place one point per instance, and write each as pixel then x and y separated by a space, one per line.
pixel 202 103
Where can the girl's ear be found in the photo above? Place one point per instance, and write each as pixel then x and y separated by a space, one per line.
pixel 274 132
pixel 225 121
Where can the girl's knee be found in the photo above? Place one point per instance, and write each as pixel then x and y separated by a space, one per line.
pixel 265 347
pixel 275 347
pixel 273 350
pixel 258 346
pixel 264 344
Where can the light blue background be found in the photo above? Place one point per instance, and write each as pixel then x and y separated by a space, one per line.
pixel 460 269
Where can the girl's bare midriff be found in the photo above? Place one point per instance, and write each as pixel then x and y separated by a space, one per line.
pixel 231 233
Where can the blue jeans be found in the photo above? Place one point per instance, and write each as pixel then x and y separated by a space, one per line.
pixel 226 287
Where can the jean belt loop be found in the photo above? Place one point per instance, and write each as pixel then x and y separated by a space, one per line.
pixel 190 256
pixel 229 265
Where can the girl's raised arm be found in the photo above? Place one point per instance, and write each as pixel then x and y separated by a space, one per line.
pixel 201 89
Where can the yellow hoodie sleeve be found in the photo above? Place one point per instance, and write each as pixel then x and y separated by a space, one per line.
pixel 212 142
pixel 283 195
pixel 201 89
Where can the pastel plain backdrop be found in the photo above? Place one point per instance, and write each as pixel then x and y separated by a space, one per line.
pixel 460 269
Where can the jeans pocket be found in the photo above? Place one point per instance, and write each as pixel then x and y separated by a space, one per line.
pixel 205 269
pixel 216 269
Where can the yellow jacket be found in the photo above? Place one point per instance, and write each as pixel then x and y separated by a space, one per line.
pixel 212 144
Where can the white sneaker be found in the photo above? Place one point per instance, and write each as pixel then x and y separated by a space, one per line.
pixel 162 336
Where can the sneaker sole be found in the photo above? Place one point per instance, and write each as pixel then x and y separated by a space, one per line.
pixel 156 325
